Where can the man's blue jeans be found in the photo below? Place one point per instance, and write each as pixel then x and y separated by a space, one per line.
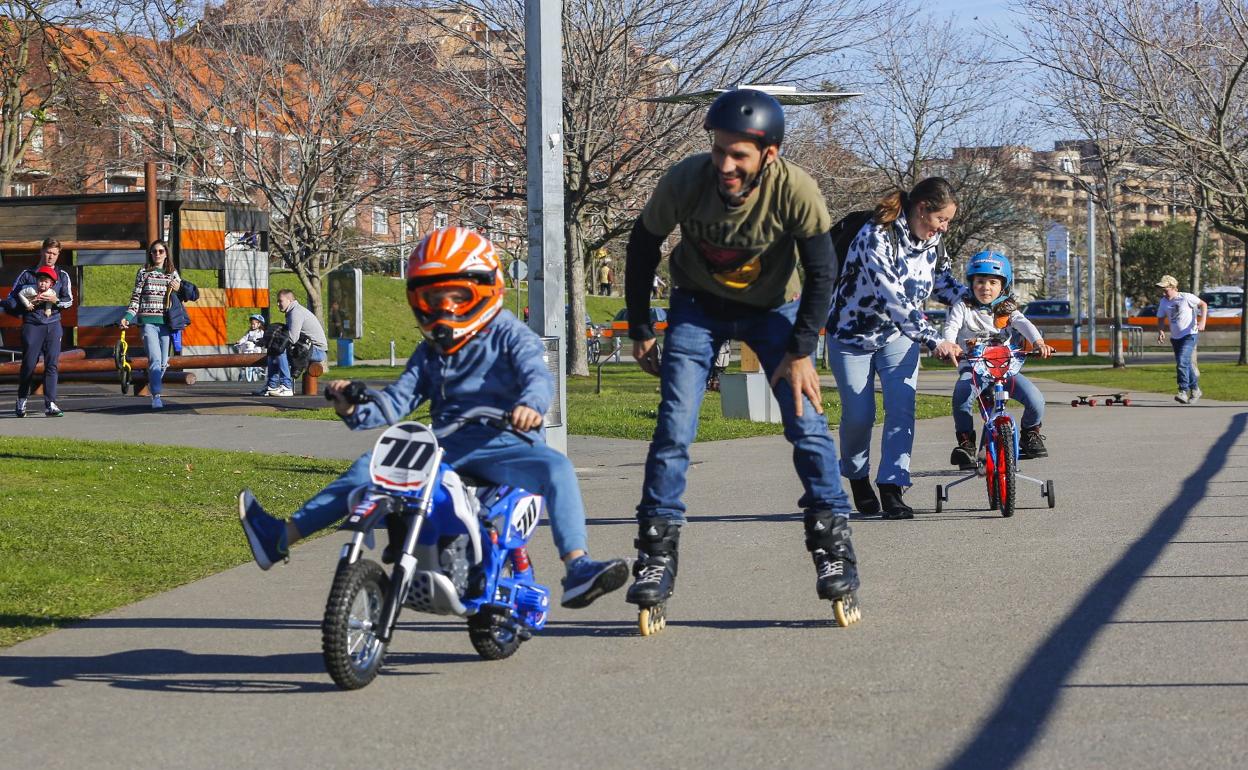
pixel 855 369
pixel 279 368
pixel 1184 347
pixel 693 337
pixel 1020 389
pixel 487 454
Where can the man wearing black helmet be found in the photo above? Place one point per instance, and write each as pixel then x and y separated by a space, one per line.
pixel 746 218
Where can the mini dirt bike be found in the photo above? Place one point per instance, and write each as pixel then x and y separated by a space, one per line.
pixel 457 546
pixel 993 361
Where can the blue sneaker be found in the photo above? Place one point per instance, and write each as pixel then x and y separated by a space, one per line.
pixel 156 402
pixel 265 534
pixel 587 580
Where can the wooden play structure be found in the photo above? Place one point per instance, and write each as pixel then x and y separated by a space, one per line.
pixel 114 229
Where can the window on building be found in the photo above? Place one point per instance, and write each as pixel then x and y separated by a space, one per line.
pixel 19 189
pixel 381 221
pixel 36 138
pixel 441 220
pixel 117 186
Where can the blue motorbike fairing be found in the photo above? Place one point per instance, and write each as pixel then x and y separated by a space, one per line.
pixel 368 514
pixel 442 519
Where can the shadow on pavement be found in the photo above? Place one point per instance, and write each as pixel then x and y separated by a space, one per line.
pixel 168 669
pixel 1018 720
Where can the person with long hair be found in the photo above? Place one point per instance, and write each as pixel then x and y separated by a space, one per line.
pixel 156 304
pixel 876 325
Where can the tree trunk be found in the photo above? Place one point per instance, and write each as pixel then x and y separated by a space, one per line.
pixel 1198 246
pixel 574 258
pixel 1115 258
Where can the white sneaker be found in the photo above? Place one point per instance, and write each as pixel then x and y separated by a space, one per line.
pixel 261 392
pixel 1182 397
pixel 281 391
pixel 1194 395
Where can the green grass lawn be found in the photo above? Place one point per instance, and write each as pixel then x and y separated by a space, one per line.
pixel 628 406
pixel 88 526
pixel 1219 381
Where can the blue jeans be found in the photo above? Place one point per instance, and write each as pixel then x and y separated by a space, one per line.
pixel 488 454
pixel 1184 347
pixel 693 337
pixel 278 369
pixel 45 340
pixel 156 340
pixel 1019 388
pixel 855 369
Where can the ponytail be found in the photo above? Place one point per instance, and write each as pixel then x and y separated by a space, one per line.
pixel 933 194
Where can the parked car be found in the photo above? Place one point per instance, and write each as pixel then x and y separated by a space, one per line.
pixel 657 315
pixel 1224 301
pixel 1047 308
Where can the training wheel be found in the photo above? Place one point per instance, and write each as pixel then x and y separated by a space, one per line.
pixel 940 498
pixel 846 610
pixel 652 620
pixel 1049 494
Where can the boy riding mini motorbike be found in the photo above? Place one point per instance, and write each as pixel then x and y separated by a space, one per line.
pixel 474 354
pixel 986 310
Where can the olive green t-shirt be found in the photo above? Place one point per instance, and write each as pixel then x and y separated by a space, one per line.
pixel 747 254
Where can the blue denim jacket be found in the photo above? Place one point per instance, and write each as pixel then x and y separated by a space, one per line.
pixel 502 366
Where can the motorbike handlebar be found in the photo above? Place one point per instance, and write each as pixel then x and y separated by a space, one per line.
pixel 359 393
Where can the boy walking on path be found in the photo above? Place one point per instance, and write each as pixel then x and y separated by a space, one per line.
pixel 1186 314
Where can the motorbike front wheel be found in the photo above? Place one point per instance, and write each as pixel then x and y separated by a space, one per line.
pixel 349 643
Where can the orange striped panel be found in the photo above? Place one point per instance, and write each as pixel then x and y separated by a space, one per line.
pixel 202 240
pixel 207 326
pixel 210 298
pixel 247 297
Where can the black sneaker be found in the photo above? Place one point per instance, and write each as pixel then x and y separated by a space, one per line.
pixel 1031 444
pixel 963 455
pixel 894 506
pixel 865 500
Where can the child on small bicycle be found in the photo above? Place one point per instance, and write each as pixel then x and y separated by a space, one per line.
pixel 474 353
pixel 987 310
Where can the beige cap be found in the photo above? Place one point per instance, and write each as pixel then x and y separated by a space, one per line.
pixel 1168 282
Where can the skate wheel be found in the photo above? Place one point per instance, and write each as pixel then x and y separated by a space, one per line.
pixel 846 610
pixel 1109 402
pixel 1091 402
pixel 651 620
pixel 1075 402
pixel 940 498
pixel 1125 402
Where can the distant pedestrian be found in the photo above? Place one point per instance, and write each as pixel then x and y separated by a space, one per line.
pixel 39 295
pixel 305 342
pixel 604 279
pixel 156 303
pixel 1186 314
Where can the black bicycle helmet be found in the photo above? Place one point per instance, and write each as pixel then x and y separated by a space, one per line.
pixel 746 111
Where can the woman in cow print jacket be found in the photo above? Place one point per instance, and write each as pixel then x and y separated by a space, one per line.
pixel 893 265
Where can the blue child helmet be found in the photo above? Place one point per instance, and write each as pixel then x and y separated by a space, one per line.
pixel 256 317
pixel 992 263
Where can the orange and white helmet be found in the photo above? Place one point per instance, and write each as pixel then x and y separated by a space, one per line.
pixel 454 258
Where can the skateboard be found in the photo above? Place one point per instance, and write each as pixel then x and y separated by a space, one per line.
pixel 1110 399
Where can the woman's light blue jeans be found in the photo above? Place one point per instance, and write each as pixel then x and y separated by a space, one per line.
pixel 693 338
pixel 156 340
pixel 1020 389
pixel 855 369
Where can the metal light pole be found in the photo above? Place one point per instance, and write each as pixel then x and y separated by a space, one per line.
pixel 543 62
pixel 1091 274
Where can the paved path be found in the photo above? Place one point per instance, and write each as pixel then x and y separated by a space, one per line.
pixel 1106 633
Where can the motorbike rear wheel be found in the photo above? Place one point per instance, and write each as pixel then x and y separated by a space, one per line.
pixel 491 638
pixel 353 653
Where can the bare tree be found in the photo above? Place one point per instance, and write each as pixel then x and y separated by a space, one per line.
pixel 303 113
pixel 617 146
pixel 1178 69
pixel 937 102
pixel 36 82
